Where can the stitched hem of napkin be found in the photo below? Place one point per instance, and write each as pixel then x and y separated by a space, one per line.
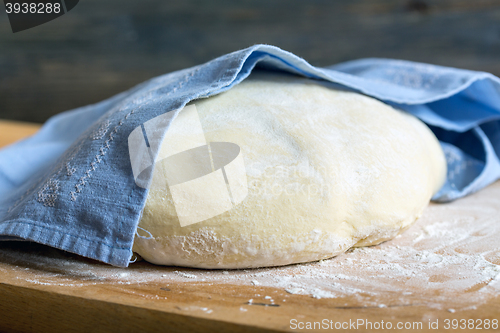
pixel 94 249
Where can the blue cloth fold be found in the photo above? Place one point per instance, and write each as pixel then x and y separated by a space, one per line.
pixel 71 185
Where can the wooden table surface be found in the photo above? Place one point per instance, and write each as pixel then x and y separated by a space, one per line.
pixel 43 289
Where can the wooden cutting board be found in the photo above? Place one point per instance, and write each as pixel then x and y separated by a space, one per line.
pixel 443 268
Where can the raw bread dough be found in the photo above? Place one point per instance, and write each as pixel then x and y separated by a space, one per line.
pixel 326 170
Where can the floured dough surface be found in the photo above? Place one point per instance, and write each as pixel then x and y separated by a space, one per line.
pixel 326 170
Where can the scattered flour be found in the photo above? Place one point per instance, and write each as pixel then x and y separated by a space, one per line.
pixel 186 275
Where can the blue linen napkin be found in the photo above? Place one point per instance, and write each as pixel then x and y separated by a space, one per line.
pixel 71 186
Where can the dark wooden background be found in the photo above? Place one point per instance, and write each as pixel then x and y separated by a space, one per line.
pixel 103 47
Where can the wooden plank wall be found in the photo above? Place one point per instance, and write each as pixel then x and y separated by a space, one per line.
pixel 103 47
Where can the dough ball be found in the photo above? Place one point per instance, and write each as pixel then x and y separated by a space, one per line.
pixel 326 170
